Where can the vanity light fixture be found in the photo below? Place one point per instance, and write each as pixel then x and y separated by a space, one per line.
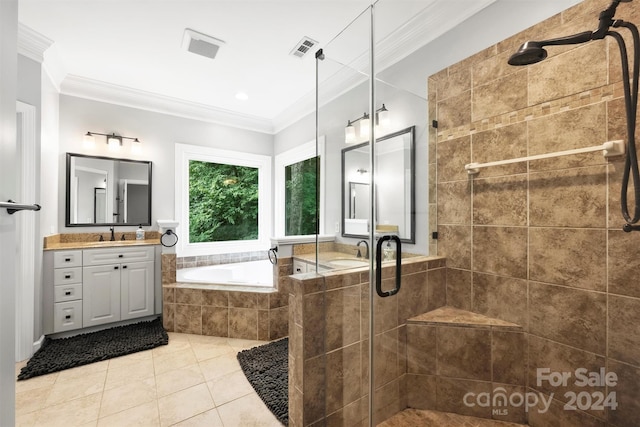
pixel 381 119
pixel 114 142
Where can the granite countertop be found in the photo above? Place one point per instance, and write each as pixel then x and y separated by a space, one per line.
pixel 97 244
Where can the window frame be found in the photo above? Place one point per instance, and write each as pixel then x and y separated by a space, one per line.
pixel 286 158
pixel 184 154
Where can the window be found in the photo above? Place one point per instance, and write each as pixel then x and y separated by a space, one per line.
pixel 223 200
pixel 301 197
pixel 297 196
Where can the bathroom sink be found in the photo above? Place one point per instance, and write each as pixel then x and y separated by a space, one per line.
pixel 348 263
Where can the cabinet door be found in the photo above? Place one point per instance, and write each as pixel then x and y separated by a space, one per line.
pixel 101 295
pixel 137 290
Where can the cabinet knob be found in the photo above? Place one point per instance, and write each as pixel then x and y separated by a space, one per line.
pixel 67 292
pixel 124 266
pixel 116 267
pixel 120 256
pixel 67 259
pixel 68 316
pixel 67 276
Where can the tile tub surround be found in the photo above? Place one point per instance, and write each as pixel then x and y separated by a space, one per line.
pixel 328 340
pixel 451 352
pixel 232 314
pixel 540 244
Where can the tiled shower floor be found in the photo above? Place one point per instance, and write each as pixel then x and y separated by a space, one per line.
pixel 415 417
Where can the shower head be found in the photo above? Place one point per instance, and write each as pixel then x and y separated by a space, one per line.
pixel 532 51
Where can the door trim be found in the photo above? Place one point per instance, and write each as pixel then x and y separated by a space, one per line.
pixel 26 233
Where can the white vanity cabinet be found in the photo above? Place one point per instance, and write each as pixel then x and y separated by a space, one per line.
pixel 100 286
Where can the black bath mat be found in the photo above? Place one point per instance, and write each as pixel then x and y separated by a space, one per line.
pixel 64 353
pixel 267 369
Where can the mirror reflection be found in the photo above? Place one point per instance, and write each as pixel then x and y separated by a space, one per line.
pixel 107 191
pixel 394 187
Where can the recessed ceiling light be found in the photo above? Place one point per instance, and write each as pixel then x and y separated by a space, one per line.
pixel 242 96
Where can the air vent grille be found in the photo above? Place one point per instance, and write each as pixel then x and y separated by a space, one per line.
pixel 200 44
pixel 303 47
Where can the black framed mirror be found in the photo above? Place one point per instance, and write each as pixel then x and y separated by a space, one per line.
pixel 107 191
pixel 394 187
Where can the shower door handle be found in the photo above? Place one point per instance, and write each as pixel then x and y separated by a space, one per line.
pixel 395 290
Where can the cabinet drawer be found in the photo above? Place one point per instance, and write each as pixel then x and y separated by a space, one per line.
pixel 67 259
pixel 65 276
pixel 64 293
pixel 117 255
pixel 67 316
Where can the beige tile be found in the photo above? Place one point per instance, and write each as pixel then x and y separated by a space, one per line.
pixel 32 400
pixel 188 319
pixel 421 349
pixel 454 111
pixel 207 350
pixel 500 201
pixel 454 242
pixel 413 299
pixel 72 413
pixel 464 353
pixel 174 360
pixel 243 323
pixel 457 209
pixel 137 370
pixel 83 371
pixel 36 382
pixel 500 297
pixel 229 387
pixel 215 321
pixel 557 77
pixel 508 142
pixel 344 379
pixel 134 358
pixel 570 257
pixel 574 197
pixel 179 379
pixel 624 262
pixel 128 396
pixel 459 288
pixel 490 100
pixel 570 316
pixel 184 404
pixel 219 366
pixel 624 336
pixel 248 411
pixel 342 317
pixel 500 250
pixel 209 418
pixel 64 391
pixel 145 415
pixel 452 155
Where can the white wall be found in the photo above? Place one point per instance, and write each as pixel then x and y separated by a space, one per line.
pixel 158 132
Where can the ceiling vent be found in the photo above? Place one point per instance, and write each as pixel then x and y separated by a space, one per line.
pixel 200 44
pixel 303 47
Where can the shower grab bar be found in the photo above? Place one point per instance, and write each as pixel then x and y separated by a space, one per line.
pixel 609 149
pixel 13 207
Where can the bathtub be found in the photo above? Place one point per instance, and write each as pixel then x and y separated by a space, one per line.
pixel 250 276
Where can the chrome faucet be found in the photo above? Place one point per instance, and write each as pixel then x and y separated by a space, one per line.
pixel 113 235
pixel 366 254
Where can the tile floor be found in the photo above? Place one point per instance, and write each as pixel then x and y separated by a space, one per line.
pixel 193 381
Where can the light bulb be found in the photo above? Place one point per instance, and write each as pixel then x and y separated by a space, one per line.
pixel 89 141
pixel 350 134
pixel 113 143
pixel 384 120
pixel 364 128
pixel 136 147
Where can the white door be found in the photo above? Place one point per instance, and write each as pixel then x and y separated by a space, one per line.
pixel 8 158
pixel 100 294
pixel 137 290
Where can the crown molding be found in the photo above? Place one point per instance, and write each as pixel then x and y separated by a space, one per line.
pixel 82 87
pixel 31 43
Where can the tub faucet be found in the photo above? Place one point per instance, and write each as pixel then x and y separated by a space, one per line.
pixel 113 235
pixel 366 253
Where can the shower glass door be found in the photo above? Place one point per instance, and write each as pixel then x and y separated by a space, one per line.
pixel 355 375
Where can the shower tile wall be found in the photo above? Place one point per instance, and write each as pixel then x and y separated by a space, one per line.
pixel 540 244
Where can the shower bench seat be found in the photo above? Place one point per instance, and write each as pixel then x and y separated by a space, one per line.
pixel 465 363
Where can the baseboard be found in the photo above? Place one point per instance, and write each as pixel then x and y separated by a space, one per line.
pixel 38 344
